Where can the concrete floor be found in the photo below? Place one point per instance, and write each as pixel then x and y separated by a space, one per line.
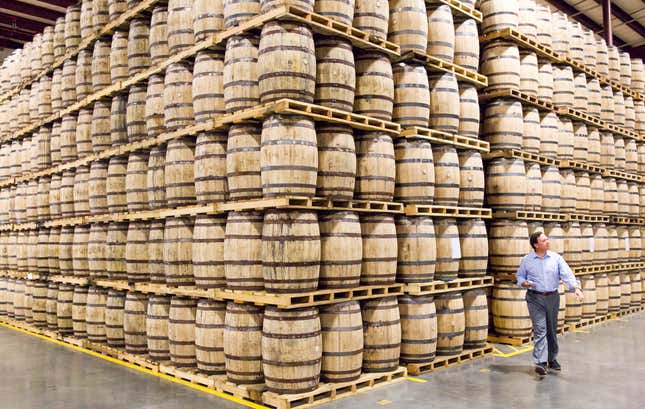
pixel 603 367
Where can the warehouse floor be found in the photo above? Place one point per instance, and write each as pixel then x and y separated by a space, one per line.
pixel 603 366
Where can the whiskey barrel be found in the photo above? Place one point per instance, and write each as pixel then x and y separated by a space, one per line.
pixel 371 17
pixel 138 46
pixel 469 115
pixel 549 135
pixel 411 95
pixel 157 327
pixel 375 167
pixel 209 337
pixel 136 185
pixel 374 95
pixel 53 250
pixel 241 72
pixel 572 243
pixel 379 249
pixel 208 251
pixel 101 126
pixel 68 138
pixel 79 251
pixel 450 323
pixel 563 86
pixel 342 12
pixel 134 323
pixel 583 195
pixel 580 95
pixel 288 156
pixel 208 85
pixel 158 41
pixel 448 249
pixel 533 187
pixel 100 66
pixel 607 104
pixel 116 8
pixel 498 15
pixel 335 72
pixel 236 12
pixel 444 102
pixel 607 150
pixel 178 251
pixel 580 142
pixel 467 44
pixel 381 334
pixel 39 303
pixel 638 75
pixel 619 109
pixel 528 19
pixel 416 243
pixel 83 75
pixel 506 184
pixel 83 138
pixel 181 332
pixel 135 113
pixel 116 241
pixel 243 343
pixel 509 310
pixel 115 184
pixel 65 255
pixel 476 318
pixel 594 97
pixel 503 124
pixel 118 120
pixel 612 237
pixel 179 172
pixel 336 161
pixel 340 250
pixel 602 294
pixel 588 243
pixel 529 69
pixel 597 188
pixel 635 244
pixel 341 329
pixel 50 306
pixel 64 302
pixel 588 285
pixel 19 300
pixel 177 96
pixel 447 176
pixel 243 251
pixel 291 349
pixel 243 162
pixel 636 289
pixel 551 188
pixel 620 153
pixel 614 284
pixel 119 56
pixel 630 114
pixel 180 25
pixel 561 34
pixel 623 197
pixel 418 328
pixel 156 264
pixel 155 179
pixel 42 252
pixel 95 315
pixel 97 193
pixel 471 179
pixel 500 62
pixel 415 172
pixel 408 25
pixel 56 91
pixel 473 241
pixel 507 244
pixel 136 252
pixel 208 18
pixel 441 32
pixel 614 64
pixel 72 27
pixel 154 114
pixel 285 268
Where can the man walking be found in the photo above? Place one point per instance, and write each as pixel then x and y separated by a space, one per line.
pixel 540 273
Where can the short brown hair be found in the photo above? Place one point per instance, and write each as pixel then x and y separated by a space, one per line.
pixel 533 239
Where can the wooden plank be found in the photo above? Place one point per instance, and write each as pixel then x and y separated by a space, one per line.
pixel 517 95
pixel 434 64
pixel 441 362
pixel 583 166
pixel 460 8
pixel 448 211
pixel 445 138
pixel 526 156
pixel 252 393
pixel 526 215
pixel 440 287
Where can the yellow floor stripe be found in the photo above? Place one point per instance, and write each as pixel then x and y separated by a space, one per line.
pixel 141 369
pixel 413 379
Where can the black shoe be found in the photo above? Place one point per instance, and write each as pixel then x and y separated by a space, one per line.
pixel 555 365
pixel 540 368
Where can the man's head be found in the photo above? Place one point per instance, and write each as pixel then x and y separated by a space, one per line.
pixel 539 241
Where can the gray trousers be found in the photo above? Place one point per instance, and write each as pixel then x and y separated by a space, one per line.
pixel 543 310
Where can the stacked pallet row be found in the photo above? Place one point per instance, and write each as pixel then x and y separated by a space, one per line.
pixel 566 158
pixel 163 125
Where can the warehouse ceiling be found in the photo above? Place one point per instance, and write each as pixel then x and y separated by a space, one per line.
pixel 21 19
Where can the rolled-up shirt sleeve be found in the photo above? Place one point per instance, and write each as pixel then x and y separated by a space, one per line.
pixel 521 272
pixel 566 274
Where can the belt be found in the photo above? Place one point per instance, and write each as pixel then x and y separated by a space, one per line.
pixel 544 292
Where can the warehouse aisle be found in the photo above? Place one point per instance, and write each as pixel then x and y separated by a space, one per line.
pixel 601 370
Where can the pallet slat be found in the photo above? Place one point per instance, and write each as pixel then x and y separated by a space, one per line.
pixel 441 362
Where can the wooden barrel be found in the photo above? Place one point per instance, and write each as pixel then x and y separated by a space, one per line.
pixel 236 12
pixel 79 251
pixel 39 303
pixel 118 120
pixel 335 74
pixel 101 126
pixel 588 243
pixel 241 72
pixel 209 337
pixel 177 96
pixel 625 291
pixel 448 249
pixel 47 47
pixel 580 141
pixel 336 161
pixel 556 236
pixel 418 328
pixel 50 306
pixel 97 188
pixel 469 113
pixel 285 268
pixel 79 305
pixel 116 241
pixel 549 135
pixel 503 124
pixel 371 17
pixel 208 251
pixel 243 162
pixel 100 14
pixel 136 189
pixel 56 90
pixel 529 77
pixel 596 205
pixel 178 251
pixel 614 284
pixel 138 46
pixel 411 95
pixel 638 75
pixel 500 62
pixel 473 242
pixel 476 318
pixel 506 184
pixel 446 175
pixel 155 179
pixel 341 328
pixel 528 19
pixel 533 187
pixel 583 195
pixel 342 12
pixel 612 237
pixel 607 150
pixel 630 114
pixel 498 15
pixel 243 343
pixel 42 199
pixel 573 312
pixel 619 109
pixel 154 114
pixel 156 264
pixel 580 95
pixel 181 332
pixel 545 80
pixel 53 250
pixel 157 327
pixel 291 349
pixel 588 285
pixel 119 56
pixel 602 294
pixel 607 104
pixel 635 244
pixel 115 184
pixel 375 167
pixel 551 188
pixel 68 139
pixel 64 302
pixel 340 250
pixel 374 95
pixel 380 249
pixel 623 197
pixel 116 8
pixel 179 172
pixel 72 27
pixel 158 40
pixel 594 97
pixel 288 156
pixel 180 25
pixel 531 135
pixel 441 36
pixel 135 113
pixel 563 86
pixel 614 64
pixel 561 34
pixel 136 252
pixel 450 323
pixel 381 335
pixel 134 323
pixel 83 75
pixel 278 77
pixel 243 251
pixel 466 44
pixel 19 300
pixel 415 171
pixel 84 133
pixel 507 244
pixel 416 243
pixel 636 290
pixel 620 153
pixel 510 311
pixel 408 25
pixel 95 315
pixel 208 18
pixel 444 102
pixel 573 246
pixel 100 66
pixel 208 91
pixel 65 257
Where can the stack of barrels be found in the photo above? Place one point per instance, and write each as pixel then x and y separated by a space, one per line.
pixel 514 185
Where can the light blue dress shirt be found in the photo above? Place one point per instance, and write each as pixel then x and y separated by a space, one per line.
pixel 545 273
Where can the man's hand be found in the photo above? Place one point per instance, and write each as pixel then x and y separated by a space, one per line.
pixel 527 284
pixel 578 294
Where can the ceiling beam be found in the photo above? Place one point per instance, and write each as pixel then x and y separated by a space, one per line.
pixel 624 16
pixel 15 35
pixel 9 43
pixel 49 5
pixel 22 23
pixel 13 40
pixel 18 29
pixel 29 12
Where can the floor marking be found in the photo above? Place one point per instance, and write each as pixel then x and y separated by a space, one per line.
pixel 484 370
pixel 141 369
pixel 384 402
pixel 514 353
pixel 413 379
pixel 581 331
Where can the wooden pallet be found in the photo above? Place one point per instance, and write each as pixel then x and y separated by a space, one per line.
pixel 439 287
pixel 626 220
pixel 327 392
pixel 583 166
pixel 460 7
pixel 69 280
pixel 104 349
pixel 251 393
pixel 139 360
pixel 191 375
pixel 622 313
pixel 448 361
pixel 526 156
pixel 588 322
pixel 518 95
pixel 622 175
pixel 524 215
pixel 448 211
pixel 589 218
pixel 445 138
pixel 312 203
pixel 434 64
pixel 521 40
